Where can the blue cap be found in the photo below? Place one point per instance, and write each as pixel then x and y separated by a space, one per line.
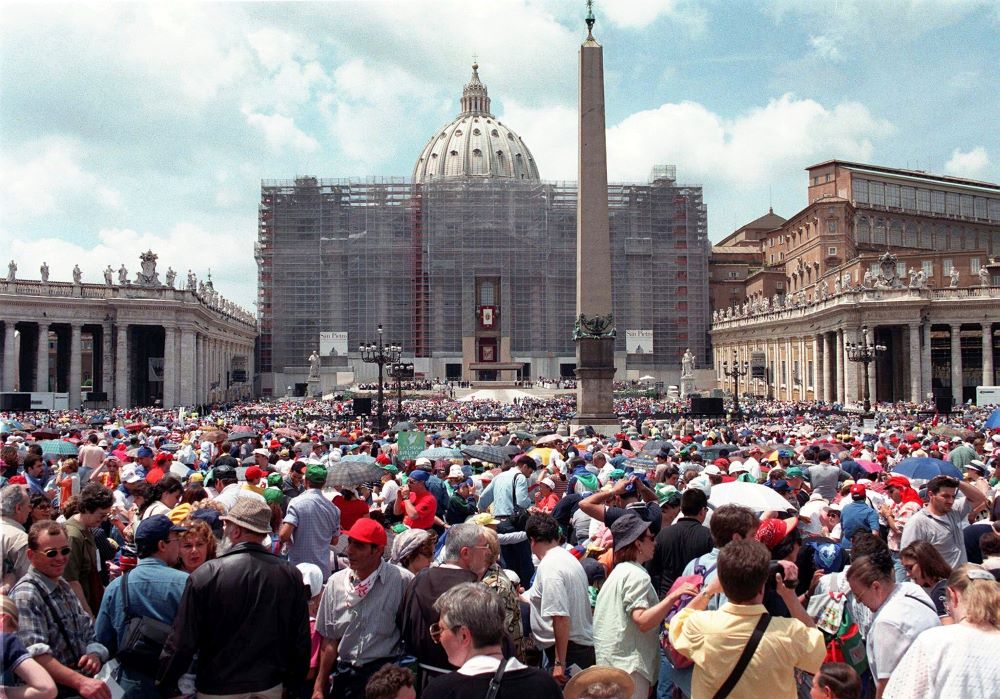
pixel 155 529
pixel 419 475
pixel 209 517
pixel 144 453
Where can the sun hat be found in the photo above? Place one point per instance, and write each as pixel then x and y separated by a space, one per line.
pixel 627 529
pixel 251 514
pixel 456 471
pixel 368 531
pixel 312 577
pixel 602 679
pixel 423 462
pixel 484 519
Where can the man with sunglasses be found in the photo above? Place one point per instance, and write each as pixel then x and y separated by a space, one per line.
pixel 53 625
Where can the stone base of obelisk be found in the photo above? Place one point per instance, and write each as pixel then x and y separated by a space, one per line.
pixel 595 373
pixel 314 387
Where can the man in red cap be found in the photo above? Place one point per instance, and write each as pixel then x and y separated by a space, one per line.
pixel 357 615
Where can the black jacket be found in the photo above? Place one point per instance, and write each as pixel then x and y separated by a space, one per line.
pixel 676 546
pixel 246 616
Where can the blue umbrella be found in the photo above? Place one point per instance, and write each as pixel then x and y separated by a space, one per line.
pixel 435 453
pixel 925 468
pixel 642 462
pixel 993 421
pixel 10 425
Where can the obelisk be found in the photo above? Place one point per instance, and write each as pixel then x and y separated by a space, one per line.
pixel 594 330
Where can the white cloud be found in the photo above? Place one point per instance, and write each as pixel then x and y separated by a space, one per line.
pixel 280 132
pixel 972 163
pixel 826 48
pixel 638 14
pixel 47 177
pixel 752 148
pixel 233 269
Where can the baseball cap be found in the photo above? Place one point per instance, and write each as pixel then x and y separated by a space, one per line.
pixel 667 493
pixel 262 452
pixel 794 472
pixel 548 482
pixel 423 462
pixel 773 531
pixel 254 473
pixel 130 474
pixel 712 470
pixel 367 531
pixel 155 529
pixel 858 491
pixel 316 474
pixel 144 453
pixel 420 475
pixel 312 577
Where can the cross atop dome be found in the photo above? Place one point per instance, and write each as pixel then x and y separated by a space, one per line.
pixel 475 99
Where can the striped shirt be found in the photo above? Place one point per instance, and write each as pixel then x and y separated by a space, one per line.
pixel 316 521
pixel 365 628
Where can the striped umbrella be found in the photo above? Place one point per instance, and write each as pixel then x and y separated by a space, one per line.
pixel 58 447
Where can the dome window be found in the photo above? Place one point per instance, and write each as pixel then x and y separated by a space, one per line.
pixel 454 152
pixel 495 133
pixel 476 132
pixel 499 155
pixel 476 152
pixel 434 155
pixel 510 135
pixel 458 132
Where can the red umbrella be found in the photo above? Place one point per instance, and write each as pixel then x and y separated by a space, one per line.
pixel 869 466
pixel 136 426
pixel 45 433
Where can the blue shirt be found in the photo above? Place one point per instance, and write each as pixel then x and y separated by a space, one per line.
pixel 500 493
pixel 856 517
pixel 154 590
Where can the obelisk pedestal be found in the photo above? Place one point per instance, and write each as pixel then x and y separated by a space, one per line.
pixel 594 330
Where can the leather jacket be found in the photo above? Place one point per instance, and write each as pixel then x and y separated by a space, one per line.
pixel 246 616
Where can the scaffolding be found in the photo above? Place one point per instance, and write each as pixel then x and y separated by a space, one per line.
pixel 345 255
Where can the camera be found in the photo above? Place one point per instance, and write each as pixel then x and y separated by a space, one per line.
pixel 776 569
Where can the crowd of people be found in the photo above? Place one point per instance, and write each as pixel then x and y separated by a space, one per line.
pixel 288 548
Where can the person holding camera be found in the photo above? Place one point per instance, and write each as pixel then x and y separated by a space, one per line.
pixel 740 649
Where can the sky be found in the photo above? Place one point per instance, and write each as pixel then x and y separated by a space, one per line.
pixel 134 126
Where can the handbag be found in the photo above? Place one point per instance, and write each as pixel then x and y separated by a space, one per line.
pixel 143 640
pixel 518 516
pixel 744 660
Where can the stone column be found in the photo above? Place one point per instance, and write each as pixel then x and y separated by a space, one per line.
pixel 188 368
pixel 872 377
pixel 915 372
pixel 817 373
pixel 107 367
pixel 987 353
pixel 9 357
pixel 42 359
pixel 169 367
pixel 75 364
pixel 956 363
pixel 850 374
pixel 122 397
pixel 841 359
pixel 926 363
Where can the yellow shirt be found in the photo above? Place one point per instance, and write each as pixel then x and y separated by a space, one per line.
pixel 714 640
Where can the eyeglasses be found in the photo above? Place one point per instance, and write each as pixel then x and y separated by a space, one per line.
pixel 52 553
pixel 436 629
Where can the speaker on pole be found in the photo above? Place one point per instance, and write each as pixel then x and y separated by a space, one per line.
pixel 942 403
pixel 362 406
pixel 707 406
pixel 15 402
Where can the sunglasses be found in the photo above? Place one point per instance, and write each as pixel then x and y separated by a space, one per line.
pixel 52 553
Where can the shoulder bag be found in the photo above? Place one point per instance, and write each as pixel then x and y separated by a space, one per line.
pixel 741 664
pixel 494 687
pixel 518 515
pixel 143 639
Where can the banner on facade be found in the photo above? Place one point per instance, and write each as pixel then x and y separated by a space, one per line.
pixel 333 344
pixel 758 365
pixel 410 444
pixel 155 369
pixel 639 341
pixel 488 317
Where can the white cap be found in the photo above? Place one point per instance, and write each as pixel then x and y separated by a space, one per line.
pixel 712 470
pixel 311 576
pixel 130 474
pixel 422 461
pixel 455 471
pixel 548 482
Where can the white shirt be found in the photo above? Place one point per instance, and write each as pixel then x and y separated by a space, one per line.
pixel 560 589
pixel 948 661
pixel 897 623
pixel 481 664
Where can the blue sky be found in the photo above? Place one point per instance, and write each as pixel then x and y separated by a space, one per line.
pixel 129 126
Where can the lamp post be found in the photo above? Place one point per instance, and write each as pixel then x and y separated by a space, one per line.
pixel 400 371
pixel 864 353
pixel 381 354
pixel 737 370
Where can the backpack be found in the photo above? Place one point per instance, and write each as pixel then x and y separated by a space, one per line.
pixel 827 555
pixel 697 579
pixel 844 644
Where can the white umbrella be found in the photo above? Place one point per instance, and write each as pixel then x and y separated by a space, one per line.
pixel 647 377
pixel 752 495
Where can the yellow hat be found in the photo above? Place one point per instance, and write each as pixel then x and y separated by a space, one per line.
pixel 180 513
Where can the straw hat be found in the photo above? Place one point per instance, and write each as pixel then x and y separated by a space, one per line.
pixel 599 681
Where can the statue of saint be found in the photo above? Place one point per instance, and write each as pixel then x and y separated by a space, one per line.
pixel 687 363
pixel 107 275
pixel 954 274
pixel 314 365
pixel 984 276
pixel 122 275
pixel 45 272
pixel 77 274
pixel 171 276
pixel 192 282
pixel 12 271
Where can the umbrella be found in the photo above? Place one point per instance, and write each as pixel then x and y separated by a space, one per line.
pixel 10 425
pixel 647 377
pixel 58 446
pixel 349 473
pixel 869 466
pixel 925 468
pixel 358 459
pixel 98 420
pixel 402 426
pixel 993 421
pixel 79 426
pixel 249 460
pixel 711 453
pixel 753 495
pixel 549 439
pixel 524 435
pixel 643 462
pixel 485 452
pixel 45 433
pixel 653 446
pixel 829 444
pixel 238 436
pixel 949 431
pixel 543 454
pixel 440 453
pixel 471 435
pixel 511 450
pixel 136 426
pixel 287 432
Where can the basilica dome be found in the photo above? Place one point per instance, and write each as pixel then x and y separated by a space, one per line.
pixel 475 145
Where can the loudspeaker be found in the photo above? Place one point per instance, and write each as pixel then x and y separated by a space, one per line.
pixel 362 406
pixel 15 401
pixel 942 403
pixel 707 406
pixel 301 389
pixel 97 396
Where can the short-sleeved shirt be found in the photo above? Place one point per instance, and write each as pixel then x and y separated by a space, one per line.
pixel 560 589
pixel 943 532
pixel 857 517
pixel 824 479
pixel 82 564
pixel 426 505
pixel 618 642
pixel 897 623
pixel 316 521
pixel 14 653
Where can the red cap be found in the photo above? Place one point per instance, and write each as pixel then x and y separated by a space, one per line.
pixel 162 457
pixel 367 531
pixel 383 460
pixel 772 532
pixel 254 473
pixel 19 479
pixel 858 491
pixel 275 444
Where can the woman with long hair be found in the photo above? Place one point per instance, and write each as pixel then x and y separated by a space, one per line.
pixel 926 567
pixel 959 660
pixel 166 494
